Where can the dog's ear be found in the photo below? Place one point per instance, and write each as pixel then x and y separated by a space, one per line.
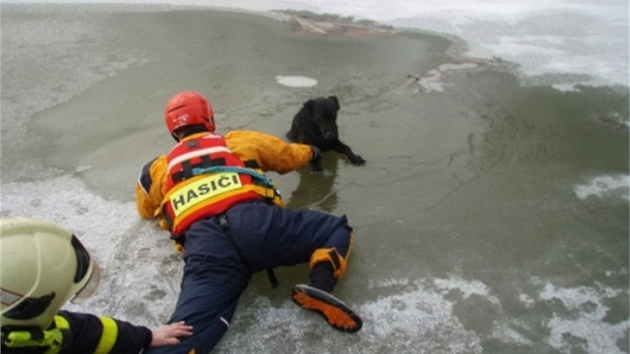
pixel 335 100
pixel 309 105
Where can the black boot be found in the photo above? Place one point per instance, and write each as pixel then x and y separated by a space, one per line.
pixel 323 277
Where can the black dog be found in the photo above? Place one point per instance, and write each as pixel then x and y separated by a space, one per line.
pixel 316 124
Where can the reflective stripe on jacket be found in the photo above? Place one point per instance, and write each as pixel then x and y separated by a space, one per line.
pixel 78 333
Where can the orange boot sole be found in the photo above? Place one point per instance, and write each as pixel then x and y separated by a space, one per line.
pixel 338 314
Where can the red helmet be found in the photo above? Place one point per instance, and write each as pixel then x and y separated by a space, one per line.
pixel 188 108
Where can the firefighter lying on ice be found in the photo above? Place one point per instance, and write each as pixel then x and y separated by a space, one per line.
pixel 227 218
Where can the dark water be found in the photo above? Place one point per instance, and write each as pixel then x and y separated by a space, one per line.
pixel 491 217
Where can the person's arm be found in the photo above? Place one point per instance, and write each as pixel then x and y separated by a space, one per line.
pixel 270 152
pixel 149 188
pixel 92 334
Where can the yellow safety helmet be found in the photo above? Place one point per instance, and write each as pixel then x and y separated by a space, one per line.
pixel 42 266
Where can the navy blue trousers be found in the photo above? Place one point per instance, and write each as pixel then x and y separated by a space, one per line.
pixel 215 275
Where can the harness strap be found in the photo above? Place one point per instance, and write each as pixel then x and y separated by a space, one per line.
pixel 251 164
pixel 189 170
pixel 225 225
pixel 186 170
pixel 255 174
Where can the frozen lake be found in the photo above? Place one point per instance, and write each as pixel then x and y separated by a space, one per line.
pixel 492 214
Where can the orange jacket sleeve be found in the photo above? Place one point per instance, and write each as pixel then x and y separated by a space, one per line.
pixel 149 189
pixel 270 152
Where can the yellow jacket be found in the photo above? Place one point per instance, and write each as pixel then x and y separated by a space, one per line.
pixel 269 152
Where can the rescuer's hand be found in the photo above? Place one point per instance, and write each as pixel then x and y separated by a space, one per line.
pixel 170 334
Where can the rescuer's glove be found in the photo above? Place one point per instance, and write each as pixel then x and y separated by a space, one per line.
pixel 315 161
pixel 317 153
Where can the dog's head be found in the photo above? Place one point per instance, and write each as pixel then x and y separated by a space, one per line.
pixel 324 110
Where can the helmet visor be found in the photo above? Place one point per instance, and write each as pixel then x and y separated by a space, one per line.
pixel 90 287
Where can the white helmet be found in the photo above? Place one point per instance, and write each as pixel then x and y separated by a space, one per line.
pixel 43 266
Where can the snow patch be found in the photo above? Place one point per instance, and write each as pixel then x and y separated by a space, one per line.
pixel 585 319
pixel 605 186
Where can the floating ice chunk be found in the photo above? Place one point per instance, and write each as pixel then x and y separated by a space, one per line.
pixel 431 81
pixel 296 81
pixel 434 80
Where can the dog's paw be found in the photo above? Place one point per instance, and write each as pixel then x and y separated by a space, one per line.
pixel 317 168
pixel 357 160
